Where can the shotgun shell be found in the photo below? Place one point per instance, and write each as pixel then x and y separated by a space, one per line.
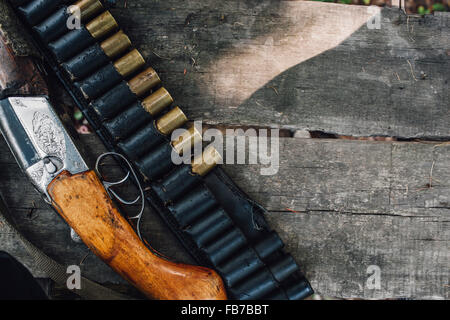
pixel 101 25
pixel 124 94
pixel 153 134
pixel 127 122
pixel 96 56
pixel 212 227
pixel 158 161
pixel 36 11
pixel 77 40
pixel 87 8
pixel 228 245
pixel 192 206
pixel 129 63
pixel 144 81
pixel 172 120
pixel 58 23
pixel 187 140
pixel 205 162
pixel 144 140
pixel 170 188
pixel 110 75
pixel 180 181
pixel 157 101
pixel 115 45
pixel 136 116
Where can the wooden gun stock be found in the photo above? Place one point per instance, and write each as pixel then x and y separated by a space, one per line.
pixel 84 203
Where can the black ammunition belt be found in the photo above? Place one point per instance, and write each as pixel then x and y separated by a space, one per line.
pixel 218 224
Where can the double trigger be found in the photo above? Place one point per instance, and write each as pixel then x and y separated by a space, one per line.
pixel 113 194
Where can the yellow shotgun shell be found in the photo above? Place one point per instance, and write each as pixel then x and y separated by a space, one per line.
pixel 187 139
pixel 205 162
pixel 157 101
pixel 129 63
pixel 116 44
pixel 172 120
pixel 144 81
pixel 102 25
pixel 87 8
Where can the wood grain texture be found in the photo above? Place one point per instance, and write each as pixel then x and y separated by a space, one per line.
pixel 83 202
pixel 340 206
pixel 298 64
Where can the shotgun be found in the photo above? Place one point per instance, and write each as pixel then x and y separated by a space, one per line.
pixel 47 154
pixel 122 98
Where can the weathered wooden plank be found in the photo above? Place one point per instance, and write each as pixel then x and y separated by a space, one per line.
pixel 356 177
pixel 299 65
pixel 342 206
pixel 336 250
pixel 343 176
pixel 339 205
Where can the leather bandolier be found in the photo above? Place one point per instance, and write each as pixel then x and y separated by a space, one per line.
pixel 122 99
